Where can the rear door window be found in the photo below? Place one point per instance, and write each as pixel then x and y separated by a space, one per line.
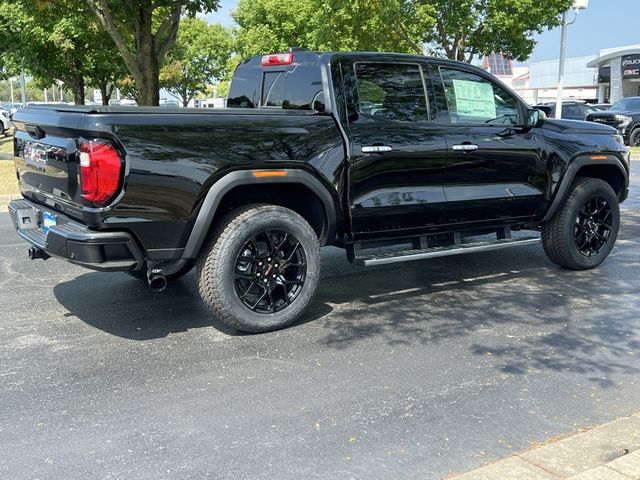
pixel 391 91
pixel 297 89
pixel 475 100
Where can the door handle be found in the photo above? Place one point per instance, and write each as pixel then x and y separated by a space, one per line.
pixel 465 147
pixel 376 148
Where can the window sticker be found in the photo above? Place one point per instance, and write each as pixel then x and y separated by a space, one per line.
pixel 474 99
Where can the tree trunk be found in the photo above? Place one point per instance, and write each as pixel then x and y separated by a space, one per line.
pixel 148 81
pixel 103 93
pixel 186 97
pixel 78 89
pixel 106 91
pixel 148 84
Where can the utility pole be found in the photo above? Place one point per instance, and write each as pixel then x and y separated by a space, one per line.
pixel 563 50
pixel 23 88
pixel 577 6
pixel 11 88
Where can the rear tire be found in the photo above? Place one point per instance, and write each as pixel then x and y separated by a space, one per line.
pixel 260 268
pixel 634 138
pixel 583 231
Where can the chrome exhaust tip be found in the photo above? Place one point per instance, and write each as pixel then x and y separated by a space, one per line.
pixel 157 282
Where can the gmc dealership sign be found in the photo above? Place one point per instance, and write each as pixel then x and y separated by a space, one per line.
pixel 631 66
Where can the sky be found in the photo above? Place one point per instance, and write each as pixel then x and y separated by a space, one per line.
pixel 605 24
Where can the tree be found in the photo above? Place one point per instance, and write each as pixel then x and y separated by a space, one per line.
pixel 275 25
pixel 457 29
pixel 54 42
pixel 198 57
pixel 144 31
pixel 466 28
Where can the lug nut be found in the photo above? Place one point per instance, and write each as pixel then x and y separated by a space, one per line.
pixel 265 280
pixel 259 264
pixel 276 265
pixel 269 259
pixel 258 274
pixel 273 276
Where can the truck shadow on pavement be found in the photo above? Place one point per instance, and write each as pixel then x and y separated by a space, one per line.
pixel 514 308
pixel 123 306
pixel 535 315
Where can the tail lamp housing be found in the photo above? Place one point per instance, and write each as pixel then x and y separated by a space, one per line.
pixel 276 59
pixel 101 168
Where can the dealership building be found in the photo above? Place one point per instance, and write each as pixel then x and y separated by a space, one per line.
pixel 607 77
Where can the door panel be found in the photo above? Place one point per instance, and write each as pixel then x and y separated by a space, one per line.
pixel 398 189
pixel 503 178
pixel 495 170
pixel 398 162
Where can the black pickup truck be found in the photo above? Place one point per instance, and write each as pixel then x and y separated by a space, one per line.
pixel 427 157
pixel 624 115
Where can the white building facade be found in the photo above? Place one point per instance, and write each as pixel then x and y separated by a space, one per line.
pixel 611 75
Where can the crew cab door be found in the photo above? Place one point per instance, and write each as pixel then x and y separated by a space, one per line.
pixel 495 169
pixel 398 155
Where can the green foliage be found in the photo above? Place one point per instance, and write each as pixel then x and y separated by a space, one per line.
pixel 333 25
pixel 465 28
pixel 33 91
pixel 198 57
pixel 458 29
pixel 55 43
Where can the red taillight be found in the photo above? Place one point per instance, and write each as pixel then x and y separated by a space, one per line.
pixel 277 59
pixel 100 171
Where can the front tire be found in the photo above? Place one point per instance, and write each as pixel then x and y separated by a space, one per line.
pixel 634 138
pixel 583 231
pixel 260 269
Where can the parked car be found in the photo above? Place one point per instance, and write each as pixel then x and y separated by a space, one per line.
pixel 250 193
pixel 624 116
pixel 5 122
pixel 571 110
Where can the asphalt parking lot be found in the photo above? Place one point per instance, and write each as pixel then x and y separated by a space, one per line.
pixel 411 371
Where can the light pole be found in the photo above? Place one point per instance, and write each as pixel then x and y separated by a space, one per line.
pixel 23 88
pixel 577 6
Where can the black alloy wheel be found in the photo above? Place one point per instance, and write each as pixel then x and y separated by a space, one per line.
pixel 270 271
pixel 260 268
pixel 593 226
pixel 585 227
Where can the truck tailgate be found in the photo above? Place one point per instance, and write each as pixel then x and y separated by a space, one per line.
pixel 46 158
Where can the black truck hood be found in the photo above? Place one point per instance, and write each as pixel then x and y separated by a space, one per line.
pixel 577 126
pixel 612 113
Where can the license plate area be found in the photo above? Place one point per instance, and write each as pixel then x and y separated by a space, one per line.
pixel 48 221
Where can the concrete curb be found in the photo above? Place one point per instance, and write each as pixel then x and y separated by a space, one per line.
pixel 608 452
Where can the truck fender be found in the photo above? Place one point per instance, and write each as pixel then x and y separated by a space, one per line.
pixel 220 188
pixel 571 172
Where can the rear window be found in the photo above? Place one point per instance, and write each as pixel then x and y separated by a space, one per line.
pixel 297 88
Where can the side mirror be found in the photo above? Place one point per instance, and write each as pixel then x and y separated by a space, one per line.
pixel 535 118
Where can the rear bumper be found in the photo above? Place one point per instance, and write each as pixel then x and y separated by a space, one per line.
pixel 75 242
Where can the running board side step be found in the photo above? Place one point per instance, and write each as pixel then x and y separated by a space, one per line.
pixel 435 252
